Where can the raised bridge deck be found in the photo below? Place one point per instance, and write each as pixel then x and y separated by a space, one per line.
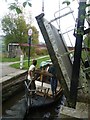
pixel 60 57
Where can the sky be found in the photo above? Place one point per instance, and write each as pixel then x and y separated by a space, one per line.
pixel 50 7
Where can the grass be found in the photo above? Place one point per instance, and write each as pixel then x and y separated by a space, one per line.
pixel 25 64
pixel 6 59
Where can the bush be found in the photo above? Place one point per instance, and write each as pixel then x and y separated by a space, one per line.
pixel 41 51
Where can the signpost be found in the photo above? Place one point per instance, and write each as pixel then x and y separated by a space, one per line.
pixel 29 43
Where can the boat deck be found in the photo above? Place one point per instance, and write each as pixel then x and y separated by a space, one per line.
pixel 43 95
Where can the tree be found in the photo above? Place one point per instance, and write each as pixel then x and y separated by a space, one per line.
pixel 16 6
pixel 16 29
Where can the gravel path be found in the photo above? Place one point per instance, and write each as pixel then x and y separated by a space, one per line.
pixel 6 69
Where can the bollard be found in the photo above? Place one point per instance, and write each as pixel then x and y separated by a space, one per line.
pixel 21 61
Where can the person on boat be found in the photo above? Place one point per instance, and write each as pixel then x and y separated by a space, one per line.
pixel 31 76
pixel 53 79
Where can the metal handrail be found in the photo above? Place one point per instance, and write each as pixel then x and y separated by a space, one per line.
pixel 61 16
pixel 71 12
pixel 63 9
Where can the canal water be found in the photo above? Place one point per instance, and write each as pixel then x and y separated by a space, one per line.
pixel 42 114
pixel 11 102
pixel 50 113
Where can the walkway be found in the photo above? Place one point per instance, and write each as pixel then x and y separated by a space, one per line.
pixel 6 71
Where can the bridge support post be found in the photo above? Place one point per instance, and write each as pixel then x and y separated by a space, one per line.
pixel 77 54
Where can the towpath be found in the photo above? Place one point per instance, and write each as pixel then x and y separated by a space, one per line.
pixel 6 70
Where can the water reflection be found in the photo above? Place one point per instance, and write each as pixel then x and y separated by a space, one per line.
pixel 50 113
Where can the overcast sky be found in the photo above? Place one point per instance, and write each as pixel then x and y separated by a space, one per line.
pixel 50 7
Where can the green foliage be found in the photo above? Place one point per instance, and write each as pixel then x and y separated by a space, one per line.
pixel 26 2
pixel 86 51
pixel 34 40
pixel 87 41
pixel 6 59
pixel 35 35
pixel 66 2
pixel 41 51
pixel 16 31
pixel 15 6
pixel 25 64
pixel 29 4
pixel 87 5
pixel 79 31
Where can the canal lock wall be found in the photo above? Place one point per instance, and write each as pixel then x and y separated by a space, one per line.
pixel 12 85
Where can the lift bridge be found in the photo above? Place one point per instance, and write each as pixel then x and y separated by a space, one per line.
pixel 70 75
